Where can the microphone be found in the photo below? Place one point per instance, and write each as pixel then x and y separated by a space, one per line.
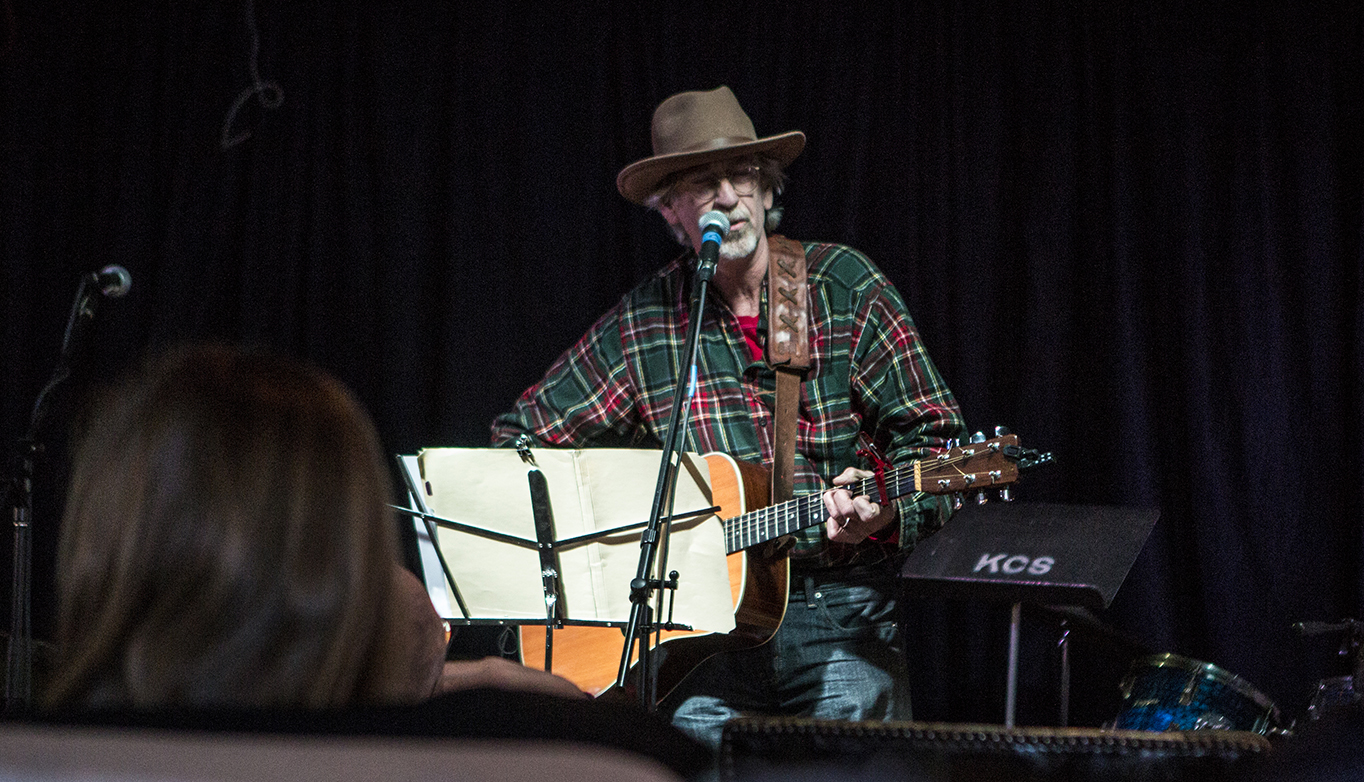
pixel 714 227
pixel 113 281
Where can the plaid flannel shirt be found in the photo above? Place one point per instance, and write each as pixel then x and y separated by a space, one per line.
pixel 869 372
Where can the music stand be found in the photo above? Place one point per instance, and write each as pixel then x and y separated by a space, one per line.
pixel 1035 553
pixel 549 548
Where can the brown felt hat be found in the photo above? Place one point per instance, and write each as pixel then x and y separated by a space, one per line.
pixel 694 128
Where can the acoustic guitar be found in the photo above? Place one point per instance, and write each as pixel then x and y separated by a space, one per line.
pixel 759 581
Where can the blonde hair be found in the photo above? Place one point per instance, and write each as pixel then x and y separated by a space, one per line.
pixel 226 542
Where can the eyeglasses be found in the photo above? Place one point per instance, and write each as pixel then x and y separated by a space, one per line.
pixel 703 187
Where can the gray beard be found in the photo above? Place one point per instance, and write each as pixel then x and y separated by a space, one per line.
pixel 741 243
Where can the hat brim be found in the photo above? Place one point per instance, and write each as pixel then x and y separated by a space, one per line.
pixel 641 178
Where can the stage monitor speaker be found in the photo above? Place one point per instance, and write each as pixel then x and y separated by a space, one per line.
pixel 761 748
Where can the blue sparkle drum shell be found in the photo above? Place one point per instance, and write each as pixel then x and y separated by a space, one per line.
pixel 1168 692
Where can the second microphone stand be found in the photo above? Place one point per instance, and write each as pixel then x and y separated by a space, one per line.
pixel 19 657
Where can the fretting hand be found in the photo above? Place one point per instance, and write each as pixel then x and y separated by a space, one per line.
pixel 851 519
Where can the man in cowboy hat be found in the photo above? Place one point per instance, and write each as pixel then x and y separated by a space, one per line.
pixel 838 653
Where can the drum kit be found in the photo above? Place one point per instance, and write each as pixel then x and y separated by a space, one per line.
pixel 1167 692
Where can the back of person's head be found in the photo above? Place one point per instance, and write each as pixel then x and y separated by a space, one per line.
pixel 226 543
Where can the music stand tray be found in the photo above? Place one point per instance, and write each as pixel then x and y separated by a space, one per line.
pixel 1033 553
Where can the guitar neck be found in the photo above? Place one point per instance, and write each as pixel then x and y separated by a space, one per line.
pixel 784 518
pixel 982 464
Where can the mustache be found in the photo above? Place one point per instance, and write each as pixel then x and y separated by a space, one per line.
pixel 739 212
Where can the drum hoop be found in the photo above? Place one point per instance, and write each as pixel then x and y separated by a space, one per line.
pixel 1210 671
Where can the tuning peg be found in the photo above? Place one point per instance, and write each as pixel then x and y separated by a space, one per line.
pixel 1006 494
pixel 981 498
pixel 956 502
pixel 951 445
pixel 976 439
pixel 1001 431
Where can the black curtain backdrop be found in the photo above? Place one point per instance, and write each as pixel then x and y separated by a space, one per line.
pixel 1131 231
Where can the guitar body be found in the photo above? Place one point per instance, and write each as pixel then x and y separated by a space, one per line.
pixel 590 656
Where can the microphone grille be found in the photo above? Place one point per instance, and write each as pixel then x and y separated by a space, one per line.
pixel 117 281
pixel 714 220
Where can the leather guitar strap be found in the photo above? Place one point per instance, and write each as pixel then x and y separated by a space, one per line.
pixel 788 353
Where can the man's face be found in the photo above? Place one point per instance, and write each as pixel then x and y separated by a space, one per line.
pixel 730 186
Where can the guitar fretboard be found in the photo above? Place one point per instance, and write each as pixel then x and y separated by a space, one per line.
pixel 784 518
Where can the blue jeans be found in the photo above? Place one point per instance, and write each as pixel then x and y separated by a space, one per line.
pixel 837 655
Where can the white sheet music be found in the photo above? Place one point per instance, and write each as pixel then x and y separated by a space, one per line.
pixel 432 574
pixel 589 490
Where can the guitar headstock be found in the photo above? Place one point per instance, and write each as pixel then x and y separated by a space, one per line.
pixel 988 464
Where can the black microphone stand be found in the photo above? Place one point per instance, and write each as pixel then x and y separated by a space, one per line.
pixel 639 626
pixel 19 660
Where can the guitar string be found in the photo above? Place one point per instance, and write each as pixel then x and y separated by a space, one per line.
pixel 788 515
pixel 760 519
pixel 737 530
